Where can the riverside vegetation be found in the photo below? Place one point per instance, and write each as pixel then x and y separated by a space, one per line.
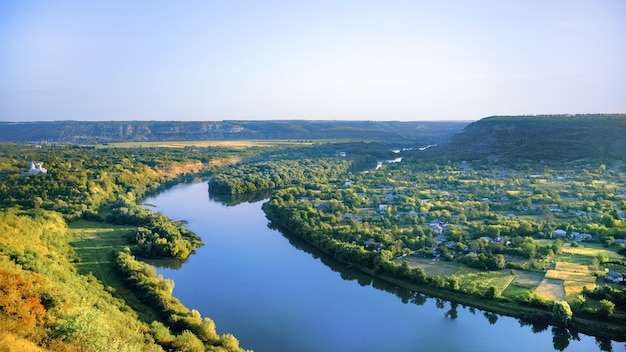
pixel 481 231
pixel 69 280
pixel 69 277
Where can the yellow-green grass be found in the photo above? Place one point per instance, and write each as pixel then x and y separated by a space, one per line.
pixel 591 250
pixel 97 244
pixel 522 284
pixel 432 267
pixel 213 143
pixel 574 278
pixel 551 289
pixel 481 281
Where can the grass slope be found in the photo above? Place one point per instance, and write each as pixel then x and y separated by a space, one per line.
pixel 96 245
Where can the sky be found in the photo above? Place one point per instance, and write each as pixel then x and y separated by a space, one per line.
pixel 340 60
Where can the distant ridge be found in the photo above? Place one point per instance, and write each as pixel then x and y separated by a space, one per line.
pixel 90 132
pixel 549 138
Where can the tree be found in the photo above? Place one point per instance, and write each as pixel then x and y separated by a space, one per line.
pixel 562 312
pixel 500 262
pixel 606 307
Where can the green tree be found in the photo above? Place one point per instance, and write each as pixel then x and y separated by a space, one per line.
pixel 562 312
pixel 606 307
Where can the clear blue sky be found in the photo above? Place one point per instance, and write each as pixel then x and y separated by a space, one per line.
pixel 356 60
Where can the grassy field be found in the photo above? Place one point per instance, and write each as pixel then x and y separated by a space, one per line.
pixel 432 267
pixel 96 245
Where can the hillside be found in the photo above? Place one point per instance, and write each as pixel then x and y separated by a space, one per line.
pixel 549 138
pixel 138 131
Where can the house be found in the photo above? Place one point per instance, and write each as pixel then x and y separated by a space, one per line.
pixel 36 168
pixel 620 241
pixel 577 236
pixel 382 207
pixel 614 276
pixel 559 233
pixel 555 209
pixel 437 227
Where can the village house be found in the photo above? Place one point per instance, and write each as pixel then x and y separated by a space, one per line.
pixel 559 233
pixel 579 237
pixel 438 226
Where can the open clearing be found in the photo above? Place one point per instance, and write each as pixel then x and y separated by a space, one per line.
pixel 97 244
pixel 432 267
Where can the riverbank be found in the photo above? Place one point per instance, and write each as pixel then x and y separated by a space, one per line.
pixel 586 324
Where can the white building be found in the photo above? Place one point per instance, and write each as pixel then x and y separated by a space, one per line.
pixel 36 168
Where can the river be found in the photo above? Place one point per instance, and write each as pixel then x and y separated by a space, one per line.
pixel 276 293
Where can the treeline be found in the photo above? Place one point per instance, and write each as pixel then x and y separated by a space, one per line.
pixel 197 333
pixel 156 235
pixel 279 173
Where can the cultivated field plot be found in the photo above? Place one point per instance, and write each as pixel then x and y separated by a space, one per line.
pixel 590 250
pixel 523 283
pixel 481 281
pixel 551 289
pixel 432 267
pixel 574 276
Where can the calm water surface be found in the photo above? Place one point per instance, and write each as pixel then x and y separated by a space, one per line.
pixel 275 293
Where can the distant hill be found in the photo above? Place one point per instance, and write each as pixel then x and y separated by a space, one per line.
pixel 427 132
pixel 549 138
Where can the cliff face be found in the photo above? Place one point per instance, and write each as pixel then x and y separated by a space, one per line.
pixel 540 138
pixel 136 131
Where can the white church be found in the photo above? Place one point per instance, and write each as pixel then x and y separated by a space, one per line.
pixel 36 168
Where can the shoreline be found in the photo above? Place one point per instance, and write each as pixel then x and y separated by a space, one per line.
pixel 578 324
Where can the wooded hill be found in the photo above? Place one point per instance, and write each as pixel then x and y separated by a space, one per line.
pixel 427 132
pixel 549 138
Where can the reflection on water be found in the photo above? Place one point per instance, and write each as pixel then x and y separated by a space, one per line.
pixel 231 200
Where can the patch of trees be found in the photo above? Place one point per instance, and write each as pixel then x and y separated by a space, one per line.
pixel 604 292
pixel 274 174
pixel 156 235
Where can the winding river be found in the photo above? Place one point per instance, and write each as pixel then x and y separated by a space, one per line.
pixel 276 293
